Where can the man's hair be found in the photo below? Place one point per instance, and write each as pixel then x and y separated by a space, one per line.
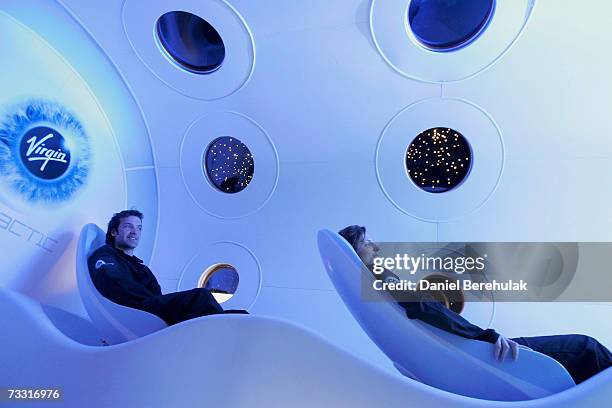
pixel 114 222
pixel 354 234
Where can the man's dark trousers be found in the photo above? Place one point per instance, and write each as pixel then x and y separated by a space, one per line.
pixel 582 356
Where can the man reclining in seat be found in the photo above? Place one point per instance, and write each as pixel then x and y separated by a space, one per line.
pixel 123 278
pixel 582 356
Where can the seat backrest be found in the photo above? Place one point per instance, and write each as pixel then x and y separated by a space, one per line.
pixel 115 322
pixel 433 356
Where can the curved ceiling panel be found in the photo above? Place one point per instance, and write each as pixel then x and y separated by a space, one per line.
pixel 406 53
pixel 486 144
pixel 140 21
pixel 74 142
pixel 204 191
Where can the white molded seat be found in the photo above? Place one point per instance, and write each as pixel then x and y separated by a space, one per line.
pixel 428 354
pixel 115 322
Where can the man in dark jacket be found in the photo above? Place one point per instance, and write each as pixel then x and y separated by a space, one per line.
pixel 123 278
pixel 582 356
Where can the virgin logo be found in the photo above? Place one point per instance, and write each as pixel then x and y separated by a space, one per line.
pixel 38 152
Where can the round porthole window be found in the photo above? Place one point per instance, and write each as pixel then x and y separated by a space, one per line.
pixel 438 159
pixel 221 280
pixel 190 41
pixel 451 299
pixel 229 164
pixel 446 25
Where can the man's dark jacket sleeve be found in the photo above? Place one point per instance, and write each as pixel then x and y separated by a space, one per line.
pixel 125 280
pixel 116 281
pixel 437 315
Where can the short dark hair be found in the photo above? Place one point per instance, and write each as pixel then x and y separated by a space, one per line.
pixel 114 222
pixel 354 234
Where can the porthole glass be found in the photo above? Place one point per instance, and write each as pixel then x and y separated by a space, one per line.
pixel 221 280
pixel 438 159
pixel 191 41
pixel 451 299
pixel 445 25
pixel 229 164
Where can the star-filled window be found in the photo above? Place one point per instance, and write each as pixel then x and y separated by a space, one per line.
pixel 221 280
pixel 438 159
pixel 446 25
pixel 229 164
pixel 191 41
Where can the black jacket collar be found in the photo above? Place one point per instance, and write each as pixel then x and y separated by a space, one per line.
pixel 123 254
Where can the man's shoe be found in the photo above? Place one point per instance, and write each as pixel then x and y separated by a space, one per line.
pixel 235 311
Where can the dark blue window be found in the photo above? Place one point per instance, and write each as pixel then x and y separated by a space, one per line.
pixel 191 41
pixel 445 25
pixel 229 164
pixel 438 159
pixel 222 281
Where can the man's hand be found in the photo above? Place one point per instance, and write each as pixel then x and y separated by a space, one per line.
pixel 503 345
